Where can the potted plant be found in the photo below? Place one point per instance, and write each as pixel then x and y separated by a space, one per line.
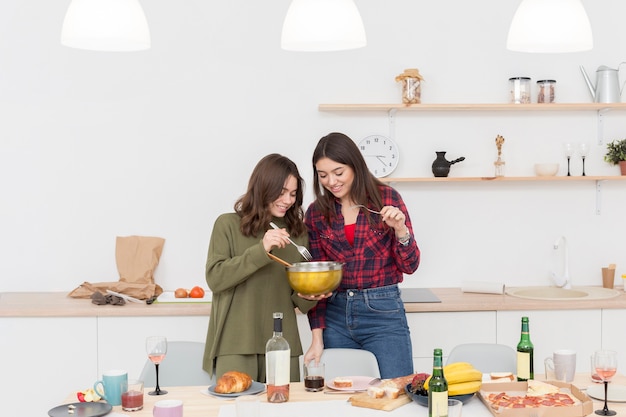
pixel 616 154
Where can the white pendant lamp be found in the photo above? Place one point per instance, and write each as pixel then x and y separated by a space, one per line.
pixel 550 26
pixel 323 25
pixel 106 25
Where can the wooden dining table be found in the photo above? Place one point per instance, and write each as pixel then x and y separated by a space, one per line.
pixel 197 402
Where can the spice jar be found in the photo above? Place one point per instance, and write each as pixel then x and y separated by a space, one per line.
pixel 411 86
pixel 520 90
pixel 546 91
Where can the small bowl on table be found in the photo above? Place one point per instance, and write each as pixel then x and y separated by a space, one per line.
pixel 546 169
pixel 423 399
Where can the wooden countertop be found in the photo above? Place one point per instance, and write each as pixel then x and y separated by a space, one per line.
pixel 453 299
pixel 57 304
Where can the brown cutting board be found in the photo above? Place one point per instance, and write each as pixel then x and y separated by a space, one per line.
pixel 385 404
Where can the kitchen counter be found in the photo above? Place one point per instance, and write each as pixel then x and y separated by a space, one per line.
pixel 58 304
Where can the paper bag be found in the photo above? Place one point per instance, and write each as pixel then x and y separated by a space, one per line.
pixel 137 258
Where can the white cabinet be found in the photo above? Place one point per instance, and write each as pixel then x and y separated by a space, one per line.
pixel 551 330
pixel 43 360
pixel 613 336
pixel 445 330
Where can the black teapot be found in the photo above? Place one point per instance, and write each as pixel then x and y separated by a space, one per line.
pixel 441 166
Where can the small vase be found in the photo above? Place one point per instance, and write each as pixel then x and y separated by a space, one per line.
pixel 441 167
pixel 622 167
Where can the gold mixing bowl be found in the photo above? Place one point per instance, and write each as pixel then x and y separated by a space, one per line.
pixel 312 278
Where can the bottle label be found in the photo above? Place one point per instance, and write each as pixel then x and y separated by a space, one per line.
pixel 278 367
pixel 523 365
pixel 438 404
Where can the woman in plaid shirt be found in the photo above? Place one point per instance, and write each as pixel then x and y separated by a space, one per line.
pixel 366 311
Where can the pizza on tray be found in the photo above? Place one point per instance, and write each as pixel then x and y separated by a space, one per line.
pixel 539 394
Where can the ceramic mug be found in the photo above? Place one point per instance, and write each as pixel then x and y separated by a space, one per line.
pixel 562 365
pixel 112 385
pixel 168 408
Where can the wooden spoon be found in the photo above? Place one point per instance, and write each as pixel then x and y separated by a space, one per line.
pixel 280 261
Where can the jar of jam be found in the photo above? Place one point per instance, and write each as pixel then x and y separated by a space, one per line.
pixel 545 93
pixel 520 90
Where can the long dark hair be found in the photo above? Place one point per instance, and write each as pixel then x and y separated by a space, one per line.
pixel 265 186
pixel 340 148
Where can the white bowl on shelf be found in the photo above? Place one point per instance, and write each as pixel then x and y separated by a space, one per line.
pixel 546 169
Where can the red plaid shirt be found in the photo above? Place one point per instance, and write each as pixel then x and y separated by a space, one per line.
pixel 376 259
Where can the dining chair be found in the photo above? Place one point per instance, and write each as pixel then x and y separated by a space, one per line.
pixel 349 362
pixel 182 366
pixel 486 357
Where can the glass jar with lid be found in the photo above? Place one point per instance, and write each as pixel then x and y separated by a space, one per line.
pixel 545 93
pixel 520 90
pixel 411 86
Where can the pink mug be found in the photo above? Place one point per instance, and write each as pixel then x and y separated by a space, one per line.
pixel 168 408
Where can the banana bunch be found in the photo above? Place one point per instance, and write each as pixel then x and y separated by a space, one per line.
pixel 462 378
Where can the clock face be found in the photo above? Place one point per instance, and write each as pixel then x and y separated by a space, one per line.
pixel 381 154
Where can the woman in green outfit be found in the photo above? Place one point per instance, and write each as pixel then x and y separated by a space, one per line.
pixel 247 285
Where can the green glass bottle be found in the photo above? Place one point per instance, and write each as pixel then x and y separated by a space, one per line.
pixel 525 354
pixel 438 389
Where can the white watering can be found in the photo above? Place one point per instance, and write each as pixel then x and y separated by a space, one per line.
pixel 607 88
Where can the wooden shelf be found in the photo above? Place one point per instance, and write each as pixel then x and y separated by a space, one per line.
pixel 506 179
pixel 474 107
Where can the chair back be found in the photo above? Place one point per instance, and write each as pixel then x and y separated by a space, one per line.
pixel 349 362
pixel 182 366
pixel 486 357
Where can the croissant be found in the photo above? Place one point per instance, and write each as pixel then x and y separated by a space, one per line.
pixel 233 381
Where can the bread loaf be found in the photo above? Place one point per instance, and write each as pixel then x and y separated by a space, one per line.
pixel 232 382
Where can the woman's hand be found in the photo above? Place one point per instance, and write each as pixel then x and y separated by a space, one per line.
pixel 315 297
pixel 395 218
pixel 275 238
pixel 317 347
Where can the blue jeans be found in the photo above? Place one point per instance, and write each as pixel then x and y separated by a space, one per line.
pixel 372 319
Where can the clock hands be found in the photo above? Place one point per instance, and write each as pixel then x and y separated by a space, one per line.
pixel 379 157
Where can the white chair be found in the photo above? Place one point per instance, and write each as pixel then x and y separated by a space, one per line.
pixel 349 362
pixel 486 357
pixel 182 366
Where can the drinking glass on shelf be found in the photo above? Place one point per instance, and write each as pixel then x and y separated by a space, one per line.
pixel 583 149
pixel 605 364
pixel 156 346
pixel 569 152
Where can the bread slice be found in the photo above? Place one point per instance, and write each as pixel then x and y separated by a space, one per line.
pixel 501 376
pixel 375 392
pixel 391 392
pixel 341 382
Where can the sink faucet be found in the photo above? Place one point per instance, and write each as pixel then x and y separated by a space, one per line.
pixel 562 281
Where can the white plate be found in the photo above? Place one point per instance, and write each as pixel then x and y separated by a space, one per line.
pixel 615 394
pixel 255 388
pixel 359 383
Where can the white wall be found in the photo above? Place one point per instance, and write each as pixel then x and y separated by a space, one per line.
pixel 97 145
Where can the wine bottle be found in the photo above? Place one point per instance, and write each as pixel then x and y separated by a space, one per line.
pixel 438 389
pixel 277 363
pixel 525 354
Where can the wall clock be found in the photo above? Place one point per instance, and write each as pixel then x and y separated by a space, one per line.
pixel 381 154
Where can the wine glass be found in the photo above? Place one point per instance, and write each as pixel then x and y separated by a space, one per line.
pixel 583 149
pixel 156 346
pixel 569 152
pixel 605 364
